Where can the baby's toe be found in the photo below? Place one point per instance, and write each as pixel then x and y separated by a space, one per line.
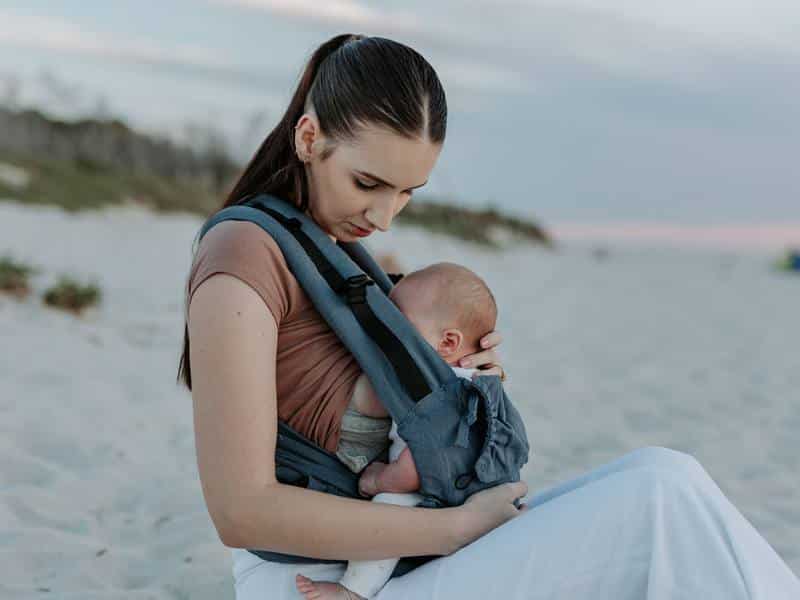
pixel 305 585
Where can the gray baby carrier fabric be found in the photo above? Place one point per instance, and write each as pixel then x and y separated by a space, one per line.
pixel 464 435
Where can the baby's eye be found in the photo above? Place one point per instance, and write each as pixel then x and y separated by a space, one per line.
pixel 364 186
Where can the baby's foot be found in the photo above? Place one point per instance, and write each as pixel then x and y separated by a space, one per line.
pixel 323 590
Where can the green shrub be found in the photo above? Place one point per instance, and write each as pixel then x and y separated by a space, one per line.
pixel 471 224
pixel 14 276
pixel 153 172
pixel 70 295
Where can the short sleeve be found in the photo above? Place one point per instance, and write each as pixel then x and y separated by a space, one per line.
pixel 245 251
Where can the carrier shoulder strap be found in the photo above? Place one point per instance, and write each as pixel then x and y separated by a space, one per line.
pixel 354 290
pixel 400 364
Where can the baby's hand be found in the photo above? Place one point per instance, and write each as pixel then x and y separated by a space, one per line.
pixel 368 482
pixel 398 477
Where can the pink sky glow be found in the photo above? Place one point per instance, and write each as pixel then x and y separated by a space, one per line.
pixel 764 236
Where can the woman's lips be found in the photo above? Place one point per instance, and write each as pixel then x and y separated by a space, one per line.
pixel 360 231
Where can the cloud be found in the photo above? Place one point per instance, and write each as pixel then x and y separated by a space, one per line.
pixel 338 12
pixel 66 36
pixel 489 77
pixel 62 35
pixel 443 37
pixel 349 14
pixel 521 47
pixel 677 42
pixel 732 23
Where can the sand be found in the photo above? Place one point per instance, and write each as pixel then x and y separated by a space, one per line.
pixel 694 349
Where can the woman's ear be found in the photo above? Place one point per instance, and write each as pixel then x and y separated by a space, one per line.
pixel 450 342
pixel 306 133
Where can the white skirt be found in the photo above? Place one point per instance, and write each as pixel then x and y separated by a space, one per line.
pixel 650 525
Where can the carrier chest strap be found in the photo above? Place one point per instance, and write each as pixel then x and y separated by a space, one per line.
pixel 354 290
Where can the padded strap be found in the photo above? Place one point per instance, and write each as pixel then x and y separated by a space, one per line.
pixel 354 289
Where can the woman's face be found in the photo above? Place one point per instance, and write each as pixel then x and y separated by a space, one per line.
pixel 363 184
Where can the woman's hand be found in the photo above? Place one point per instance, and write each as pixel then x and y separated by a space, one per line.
pixel 487 360
pixel 490 508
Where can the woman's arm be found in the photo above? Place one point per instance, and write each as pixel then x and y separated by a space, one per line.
pixel 233 341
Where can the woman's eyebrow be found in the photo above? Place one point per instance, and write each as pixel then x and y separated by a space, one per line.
pixel 379 180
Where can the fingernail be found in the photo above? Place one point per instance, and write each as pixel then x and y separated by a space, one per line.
pixel 465 363
pixel 485 343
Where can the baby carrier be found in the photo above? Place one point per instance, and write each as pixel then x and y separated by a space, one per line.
pixel 464 435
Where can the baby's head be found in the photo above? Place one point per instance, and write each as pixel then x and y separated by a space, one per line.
pixel 450 306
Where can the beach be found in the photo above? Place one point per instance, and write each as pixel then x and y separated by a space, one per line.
pixel 639 345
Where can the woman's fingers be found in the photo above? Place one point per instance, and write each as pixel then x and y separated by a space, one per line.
pixel 493 371
pixel 488 356
pixel 517 489
pixel 485 357
pixel 491 339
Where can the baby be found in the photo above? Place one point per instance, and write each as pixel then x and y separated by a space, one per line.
pixel 452 308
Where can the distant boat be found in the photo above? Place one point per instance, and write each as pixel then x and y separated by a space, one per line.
pixel 790 261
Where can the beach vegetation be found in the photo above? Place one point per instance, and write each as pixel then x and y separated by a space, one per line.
pixel 94 163
pixel 84 185
pixel 71 295
pixel 14 276
pixel 485 226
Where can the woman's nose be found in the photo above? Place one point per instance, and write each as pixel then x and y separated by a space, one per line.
pixel 382 211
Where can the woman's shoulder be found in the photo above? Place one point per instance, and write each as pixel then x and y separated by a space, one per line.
pixel 242 238
pixel 246 251
pixel 242 243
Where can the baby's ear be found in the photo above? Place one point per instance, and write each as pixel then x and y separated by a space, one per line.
pixel 450 342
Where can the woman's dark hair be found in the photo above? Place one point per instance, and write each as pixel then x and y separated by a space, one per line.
pixel 351 81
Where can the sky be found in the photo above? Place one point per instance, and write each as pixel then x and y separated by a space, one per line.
pixel 578 111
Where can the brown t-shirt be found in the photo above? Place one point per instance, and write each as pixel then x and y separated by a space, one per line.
pixel 315 372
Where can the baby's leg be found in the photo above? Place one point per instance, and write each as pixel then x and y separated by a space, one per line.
pixel 367 577
pixel 363 578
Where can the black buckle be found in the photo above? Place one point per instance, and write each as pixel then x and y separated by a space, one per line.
pixel 355 288
pixel 293 223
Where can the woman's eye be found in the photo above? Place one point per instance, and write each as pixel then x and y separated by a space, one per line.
pixel 364 186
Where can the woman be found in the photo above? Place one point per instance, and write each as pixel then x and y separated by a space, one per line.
pixel 364 128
